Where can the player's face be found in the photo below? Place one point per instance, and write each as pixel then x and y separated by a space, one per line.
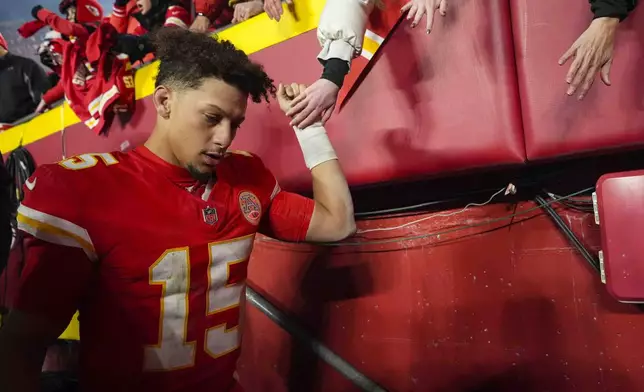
pixel 204 122
pixel 144 6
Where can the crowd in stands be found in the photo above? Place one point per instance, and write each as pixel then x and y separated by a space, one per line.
pixel 91 56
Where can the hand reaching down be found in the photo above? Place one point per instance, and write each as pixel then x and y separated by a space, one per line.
pixel 592 53
pixel 201 24
pixel 42 106
pixel 317 101
pixel 417 8
pixel 274 9
pixel 245 11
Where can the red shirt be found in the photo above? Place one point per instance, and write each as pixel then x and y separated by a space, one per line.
pixel 123 18
pixel 154 261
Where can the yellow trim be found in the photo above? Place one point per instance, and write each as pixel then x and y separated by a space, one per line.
pixel 72 332
pixel 254 35
pixel 56 231
pixel 370 45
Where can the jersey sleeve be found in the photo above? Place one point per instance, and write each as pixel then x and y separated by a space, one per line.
pixel 53 280
pixel 120 16
pixel 288 217
pixel 205 7
pixel 61 25
pixel 177 16
pixel 288 214
pixel 55 93
pixel 59 253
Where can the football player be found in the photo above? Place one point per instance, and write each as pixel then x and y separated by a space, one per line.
pixel 152 246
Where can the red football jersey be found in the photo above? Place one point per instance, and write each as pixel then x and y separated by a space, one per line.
pixel 154 261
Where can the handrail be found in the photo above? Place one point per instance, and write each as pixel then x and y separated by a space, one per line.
pixel 298 332
pixel 33 115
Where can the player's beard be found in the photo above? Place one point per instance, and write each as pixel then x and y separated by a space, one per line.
pixel 199 175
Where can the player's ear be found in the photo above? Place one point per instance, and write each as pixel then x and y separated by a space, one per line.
pixel 161 99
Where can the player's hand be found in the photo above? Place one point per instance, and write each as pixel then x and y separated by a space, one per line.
pixel 417 8
pixel 42 106
pixel 286 93
pixel 318 100
pixel 201 24
pixel 245 11
pixel 593 53
pixel 274 9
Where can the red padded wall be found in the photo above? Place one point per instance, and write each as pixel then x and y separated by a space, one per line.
pixel 555 124
pixel 505 310
pixel 79 139
pixel 431 105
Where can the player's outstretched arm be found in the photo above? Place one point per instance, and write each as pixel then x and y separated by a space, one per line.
pixel 332 218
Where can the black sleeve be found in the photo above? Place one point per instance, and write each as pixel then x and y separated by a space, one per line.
pixel 36 79
pixel 612 8
pixel 135 46
pixel 335 70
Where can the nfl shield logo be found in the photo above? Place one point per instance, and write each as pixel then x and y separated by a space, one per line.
pixel 210 215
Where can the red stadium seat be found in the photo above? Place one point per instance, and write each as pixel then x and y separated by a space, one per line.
pixel 555 124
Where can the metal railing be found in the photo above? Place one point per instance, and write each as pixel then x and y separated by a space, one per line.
pixel 306 339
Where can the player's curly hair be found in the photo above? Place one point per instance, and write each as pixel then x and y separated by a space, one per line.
pixel 187 58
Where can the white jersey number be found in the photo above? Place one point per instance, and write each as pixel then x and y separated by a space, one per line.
pixel 172 271
pixel 85 161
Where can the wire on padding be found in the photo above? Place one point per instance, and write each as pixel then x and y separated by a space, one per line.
pixel 510 189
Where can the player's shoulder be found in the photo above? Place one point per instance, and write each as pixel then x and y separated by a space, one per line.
pixel 68 188
pixel 245 169
pixel 240 159
pixel 83 165
pixel 73 174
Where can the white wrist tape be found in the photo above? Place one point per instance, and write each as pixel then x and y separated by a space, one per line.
pixel 315 144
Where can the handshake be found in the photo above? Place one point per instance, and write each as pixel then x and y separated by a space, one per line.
pixel 287 94
pixel 306 105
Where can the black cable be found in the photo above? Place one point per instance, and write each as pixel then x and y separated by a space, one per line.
pixel 397 210
pixel 594 263
pixel 578 208
pixel 463 197
pixel 582 202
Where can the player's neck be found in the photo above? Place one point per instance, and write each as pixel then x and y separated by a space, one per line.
pixel 158 145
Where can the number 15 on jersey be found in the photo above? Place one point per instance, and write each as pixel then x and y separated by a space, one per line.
pixel 171 271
